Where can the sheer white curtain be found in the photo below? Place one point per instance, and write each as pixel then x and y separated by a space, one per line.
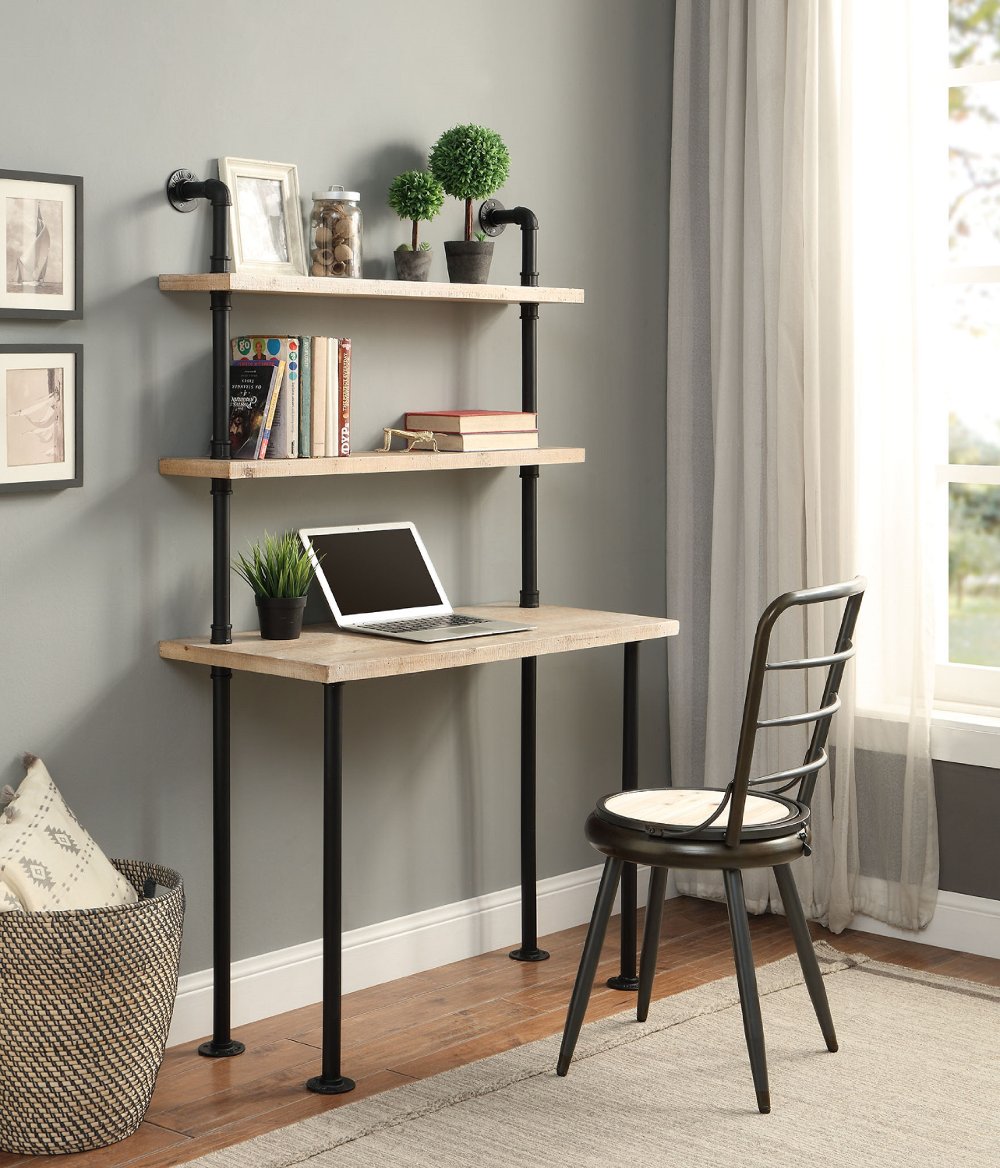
pixel 760 421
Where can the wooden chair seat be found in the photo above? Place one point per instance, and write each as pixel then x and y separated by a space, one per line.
pixel 699 812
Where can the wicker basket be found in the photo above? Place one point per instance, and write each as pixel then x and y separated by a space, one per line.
pixel 86 998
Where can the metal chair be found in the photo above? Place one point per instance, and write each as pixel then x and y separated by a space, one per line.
pixel 751 823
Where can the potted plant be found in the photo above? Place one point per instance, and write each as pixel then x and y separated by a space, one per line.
pixel 279 570
pixel 418 196
pixel 471 162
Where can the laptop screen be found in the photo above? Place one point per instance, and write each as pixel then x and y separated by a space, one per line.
pixel 375 570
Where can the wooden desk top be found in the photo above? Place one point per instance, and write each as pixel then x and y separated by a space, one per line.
pixel 325 654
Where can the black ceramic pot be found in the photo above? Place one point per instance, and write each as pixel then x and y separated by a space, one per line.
pixel 280 617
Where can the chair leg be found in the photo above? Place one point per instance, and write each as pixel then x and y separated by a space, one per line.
pixel 804 948
pixel 650 940
pixel 588 962
pixel 746 979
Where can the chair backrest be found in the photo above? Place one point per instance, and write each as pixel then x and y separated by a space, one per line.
pixel 804 776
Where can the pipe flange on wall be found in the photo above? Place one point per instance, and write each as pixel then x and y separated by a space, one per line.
pixel 174 185
pixel 487 222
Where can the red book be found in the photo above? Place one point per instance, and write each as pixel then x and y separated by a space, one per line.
pixel 470 421
pixel 344 397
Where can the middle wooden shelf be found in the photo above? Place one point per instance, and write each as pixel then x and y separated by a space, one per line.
pixel 367 462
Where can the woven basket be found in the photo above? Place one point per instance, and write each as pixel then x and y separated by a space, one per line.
pixel 86 998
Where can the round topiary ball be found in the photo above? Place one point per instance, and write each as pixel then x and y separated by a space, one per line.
pixel 471 162
pixel 416 194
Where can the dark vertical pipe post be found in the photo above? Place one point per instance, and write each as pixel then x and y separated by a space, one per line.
pixel 626 979
pixel 221 1045
pixel 331 1081
pixel 528 950
pixel 182 191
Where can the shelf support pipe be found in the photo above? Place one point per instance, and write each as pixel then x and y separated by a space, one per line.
pixel 183 192
pixel 493 218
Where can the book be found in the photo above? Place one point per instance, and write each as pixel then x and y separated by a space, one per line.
pixel 332 383
pixel 253 393
pixel 284 441
pixel 320 360
pixel 305 398
pixel 344 398
pixel 470 421
pixel 512 440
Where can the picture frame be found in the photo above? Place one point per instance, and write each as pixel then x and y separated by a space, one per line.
pixel 41 417
pixel 266 216
pixel 41 229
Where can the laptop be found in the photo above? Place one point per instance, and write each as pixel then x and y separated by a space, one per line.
pixel 378 578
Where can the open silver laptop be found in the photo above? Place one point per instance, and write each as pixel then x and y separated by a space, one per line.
pixel 379 579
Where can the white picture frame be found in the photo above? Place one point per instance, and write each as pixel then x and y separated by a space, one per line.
pixel 266 216
pixel 41 417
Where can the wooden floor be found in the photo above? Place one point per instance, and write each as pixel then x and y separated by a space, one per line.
pixel 430 1022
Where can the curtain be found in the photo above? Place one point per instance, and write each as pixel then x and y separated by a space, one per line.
pixel 761 451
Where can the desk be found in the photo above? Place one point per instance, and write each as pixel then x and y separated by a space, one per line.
pixel 325 655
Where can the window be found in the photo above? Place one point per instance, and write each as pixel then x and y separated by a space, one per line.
pixel 968 670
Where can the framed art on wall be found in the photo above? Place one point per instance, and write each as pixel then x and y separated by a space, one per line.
pixel 266 216
pixel 41 224
pixel 41 417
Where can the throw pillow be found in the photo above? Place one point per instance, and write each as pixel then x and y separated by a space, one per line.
pixel 47 860
pixel 8 901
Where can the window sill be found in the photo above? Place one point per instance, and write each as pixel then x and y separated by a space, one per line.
pixel 960 736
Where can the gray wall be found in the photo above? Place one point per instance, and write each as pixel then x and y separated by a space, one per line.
pixel 968 803
pixel 123 93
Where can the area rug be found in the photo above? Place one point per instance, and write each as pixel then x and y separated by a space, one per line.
pixel 916 1084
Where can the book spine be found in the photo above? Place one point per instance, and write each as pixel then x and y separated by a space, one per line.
pixel 305 397
pixel 270 410
pixel 321 357
pixel 344 398
pixel 332 366
pixel 285 432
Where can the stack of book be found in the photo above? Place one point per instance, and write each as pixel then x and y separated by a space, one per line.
pixel 308 414
pixel 477 429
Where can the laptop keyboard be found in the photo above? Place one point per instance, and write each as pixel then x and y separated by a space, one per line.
pixel 426 622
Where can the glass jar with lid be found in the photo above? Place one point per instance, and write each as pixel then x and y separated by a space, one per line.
pixel 335 233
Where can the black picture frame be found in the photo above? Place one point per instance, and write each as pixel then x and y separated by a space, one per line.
pixel 42 273
pixel 31 457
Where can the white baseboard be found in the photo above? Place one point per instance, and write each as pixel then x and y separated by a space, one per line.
pixel 968 924
pixel 289 978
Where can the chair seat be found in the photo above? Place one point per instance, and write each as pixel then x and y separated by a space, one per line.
pixel 673 810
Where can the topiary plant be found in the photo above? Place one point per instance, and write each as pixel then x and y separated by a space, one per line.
pixel 471 162
pixel 416 195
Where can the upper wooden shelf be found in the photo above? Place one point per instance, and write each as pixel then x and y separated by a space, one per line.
pixel 369 289
pixel 366 462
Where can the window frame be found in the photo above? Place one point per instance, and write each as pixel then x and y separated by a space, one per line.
pixel 958 686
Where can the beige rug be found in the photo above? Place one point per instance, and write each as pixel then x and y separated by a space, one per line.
pixel 916 1084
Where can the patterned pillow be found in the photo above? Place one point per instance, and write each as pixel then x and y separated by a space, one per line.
pixel 47 860
pixel 8 901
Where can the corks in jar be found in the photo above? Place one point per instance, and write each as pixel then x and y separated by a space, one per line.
pixel 335 233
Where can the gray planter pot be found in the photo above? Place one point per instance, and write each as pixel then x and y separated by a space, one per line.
pixel 412 265
pixel 468 260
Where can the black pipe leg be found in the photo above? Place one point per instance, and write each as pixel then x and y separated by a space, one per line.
pixel 626 978
pixel 222 1044
pixel 746 979
pixel 807 955
pixel 588 962
pixel 650 940
pixel 528 950
pixel 331 1081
